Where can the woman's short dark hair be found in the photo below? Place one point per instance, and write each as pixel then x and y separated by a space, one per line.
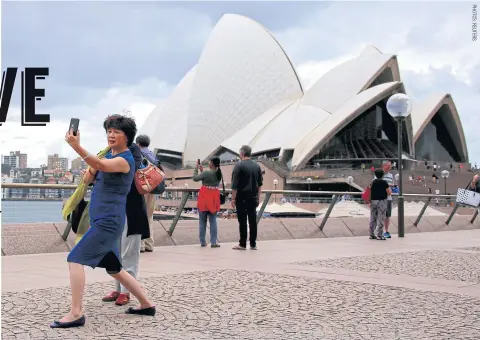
pixel 143 141
pixel 379 173
pixel 123 123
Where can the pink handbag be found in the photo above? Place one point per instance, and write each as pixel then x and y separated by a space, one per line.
pixel 148 178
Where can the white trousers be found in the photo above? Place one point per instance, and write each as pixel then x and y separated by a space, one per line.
pixel 130 253
pixel 150 205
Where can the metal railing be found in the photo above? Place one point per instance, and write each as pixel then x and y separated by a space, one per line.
pixel 335 196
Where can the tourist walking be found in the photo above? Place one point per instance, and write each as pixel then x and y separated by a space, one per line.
pixel 379 193
pixel 247 181
pixel 208 202
pixel 143 141
pixel 136 229
pixel 113 177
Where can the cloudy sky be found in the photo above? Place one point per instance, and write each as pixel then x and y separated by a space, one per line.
pixel 105 57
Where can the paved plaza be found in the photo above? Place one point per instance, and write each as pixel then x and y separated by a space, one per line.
pixel 425 286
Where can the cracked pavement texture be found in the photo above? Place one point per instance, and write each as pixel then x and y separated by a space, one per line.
pixel 236 304
pixel 446 265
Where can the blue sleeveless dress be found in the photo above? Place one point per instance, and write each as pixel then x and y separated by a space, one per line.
pixel 99 246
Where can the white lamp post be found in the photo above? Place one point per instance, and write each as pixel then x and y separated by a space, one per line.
pixel 399 107
pixel 275 183
pixel 445 175
pixel 349 181
pixel 309 181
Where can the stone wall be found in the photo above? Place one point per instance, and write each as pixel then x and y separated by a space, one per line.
pixel 19 239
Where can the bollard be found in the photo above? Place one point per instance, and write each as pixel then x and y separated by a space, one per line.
pixel 451 214
pixel 179 212
pixel 262 208
pixel 327 214
pixel 474 216
pixel 422 212
pixel 67 228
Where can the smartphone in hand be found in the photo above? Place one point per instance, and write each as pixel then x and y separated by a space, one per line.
pixel 74 123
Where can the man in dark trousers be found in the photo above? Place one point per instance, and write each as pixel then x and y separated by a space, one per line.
pixel 247 181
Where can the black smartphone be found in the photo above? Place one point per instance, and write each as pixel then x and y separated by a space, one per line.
pixel 198 161
pixel 74 123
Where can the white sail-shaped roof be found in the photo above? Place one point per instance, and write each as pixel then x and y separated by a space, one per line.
pixel 348 79
pixel 169 121
pixel 255 127
pixel 242 72
pixel 423 112
pixel 347 112
pixel 289 128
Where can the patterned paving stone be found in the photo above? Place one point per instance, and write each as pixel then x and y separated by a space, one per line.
pixel 471 248
pixel 447 265
pixel 231 304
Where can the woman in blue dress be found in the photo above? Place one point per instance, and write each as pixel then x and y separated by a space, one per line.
pixel 113 176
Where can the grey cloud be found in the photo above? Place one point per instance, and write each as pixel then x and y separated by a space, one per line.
pixel 340 27
pixel 274 15
pixel 443 79
pixel 97 43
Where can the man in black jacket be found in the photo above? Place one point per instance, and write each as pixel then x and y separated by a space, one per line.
pixel 247 181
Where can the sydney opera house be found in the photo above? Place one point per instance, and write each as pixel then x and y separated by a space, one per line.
pixel 245 90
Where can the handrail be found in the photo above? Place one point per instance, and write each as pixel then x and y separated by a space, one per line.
pixel 335 195
pixel 178 189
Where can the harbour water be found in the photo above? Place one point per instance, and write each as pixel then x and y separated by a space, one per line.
pixel 47 212
pixel 31 211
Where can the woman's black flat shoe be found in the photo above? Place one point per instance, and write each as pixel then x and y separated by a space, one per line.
pixel 76 323
pixel 145 311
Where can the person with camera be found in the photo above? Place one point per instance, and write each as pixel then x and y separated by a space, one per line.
pixel 247 181
pixel 99 247
pixel 208 202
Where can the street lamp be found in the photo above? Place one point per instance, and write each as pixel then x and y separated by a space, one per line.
pixel 275 183
pixel 309 181
pixel 399 107
pixel 349 181
pixel 445 175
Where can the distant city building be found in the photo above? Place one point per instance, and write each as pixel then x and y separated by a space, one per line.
pixel 13 173
pixel 5 168
pixel 79 164
pixel 15 192
pixel 56 162
pixel 35 193
pixel 16 159
pixel 48 173
pixel 36 172
pixel 6 191
pixel 51 193
pixel 22 159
